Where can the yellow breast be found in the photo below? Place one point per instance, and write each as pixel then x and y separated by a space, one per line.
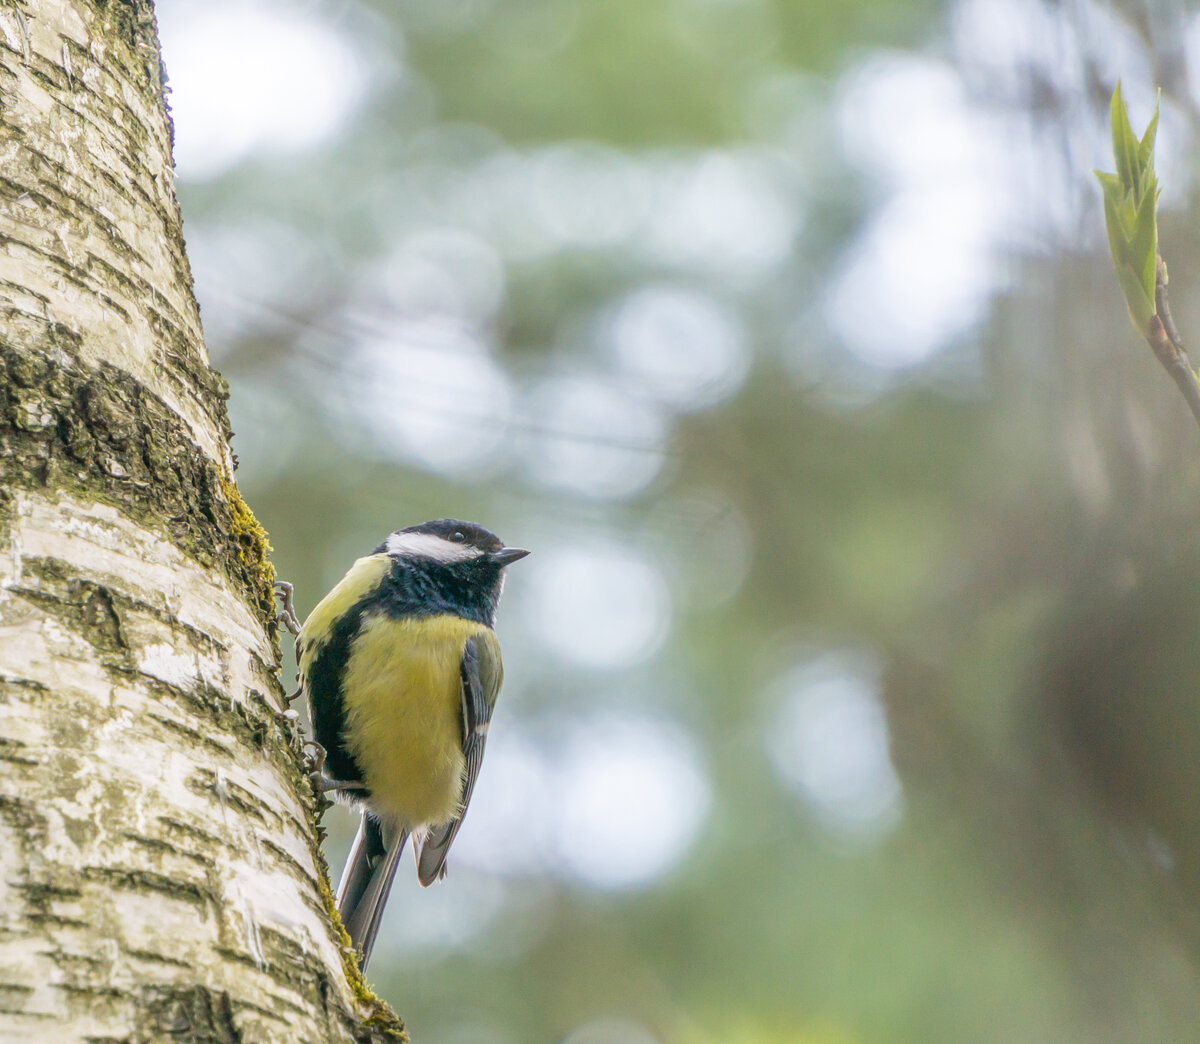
pixel 403 714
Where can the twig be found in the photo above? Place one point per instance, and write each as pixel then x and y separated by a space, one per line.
pixel 1164 341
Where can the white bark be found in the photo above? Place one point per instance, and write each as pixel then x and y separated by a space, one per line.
pixel 158 872
pixel 93 225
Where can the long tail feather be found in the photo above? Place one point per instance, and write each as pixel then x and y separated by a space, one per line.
pixel 363 890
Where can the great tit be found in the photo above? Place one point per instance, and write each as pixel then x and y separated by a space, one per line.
pixel 401 668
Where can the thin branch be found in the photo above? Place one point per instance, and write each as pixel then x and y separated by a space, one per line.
pixel 1164 341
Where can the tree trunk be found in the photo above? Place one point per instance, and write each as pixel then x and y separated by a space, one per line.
pixel 159 875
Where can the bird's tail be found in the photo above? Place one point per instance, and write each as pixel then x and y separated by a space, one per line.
pixel 363 890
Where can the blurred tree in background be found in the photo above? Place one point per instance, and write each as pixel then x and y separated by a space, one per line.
pixel 853 686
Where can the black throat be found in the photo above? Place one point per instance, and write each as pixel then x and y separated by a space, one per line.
pixel 423 587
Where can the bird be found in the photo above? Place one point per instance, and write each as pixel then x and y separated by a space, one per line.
pixel 401 669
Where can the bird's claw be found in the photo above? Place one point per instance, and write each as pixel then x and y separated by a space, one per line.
pixel 314 763
pixel 314 756
pixel 322 782
pixel 287 615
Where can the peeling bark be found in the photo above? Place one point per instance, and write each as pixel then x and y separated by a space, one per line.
pixel 159 874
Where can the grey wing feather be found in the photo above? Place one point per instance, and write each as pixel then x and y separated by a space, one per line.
pixel 482 674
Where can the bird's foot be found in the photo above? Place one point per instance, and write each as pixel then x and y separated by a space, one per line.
pixel 322 782
pixel 287 615
pixel 314 756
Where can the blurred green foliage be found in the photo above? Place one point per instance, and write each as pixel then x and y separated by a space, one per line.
pixel 753 293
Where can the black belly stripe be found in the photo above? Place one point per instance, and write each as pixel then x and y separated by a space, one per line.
pixel 326 699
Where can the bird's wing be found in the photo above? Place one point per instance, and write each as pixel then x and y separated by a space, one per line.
pixel 482 674
pixel 366 880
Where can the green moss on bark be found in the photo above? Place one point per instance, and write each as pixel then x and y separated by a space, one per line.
pixel 384 1023
pixel 98 434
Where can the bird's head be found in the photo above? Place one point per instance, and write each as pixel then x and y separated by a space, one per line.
pixel 460 558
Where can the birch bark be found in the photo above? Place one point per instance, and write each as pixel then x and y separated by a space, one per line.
pixel 159 877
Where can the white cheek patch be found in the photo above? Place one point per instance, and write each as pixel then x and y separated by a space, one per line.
pixel 429 545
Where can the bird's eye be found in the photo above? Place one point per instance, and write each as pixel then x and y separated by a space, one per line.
pixel 458 536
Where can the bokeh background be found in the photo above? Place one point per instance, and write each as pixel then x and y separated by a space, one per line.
pixel 853 686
